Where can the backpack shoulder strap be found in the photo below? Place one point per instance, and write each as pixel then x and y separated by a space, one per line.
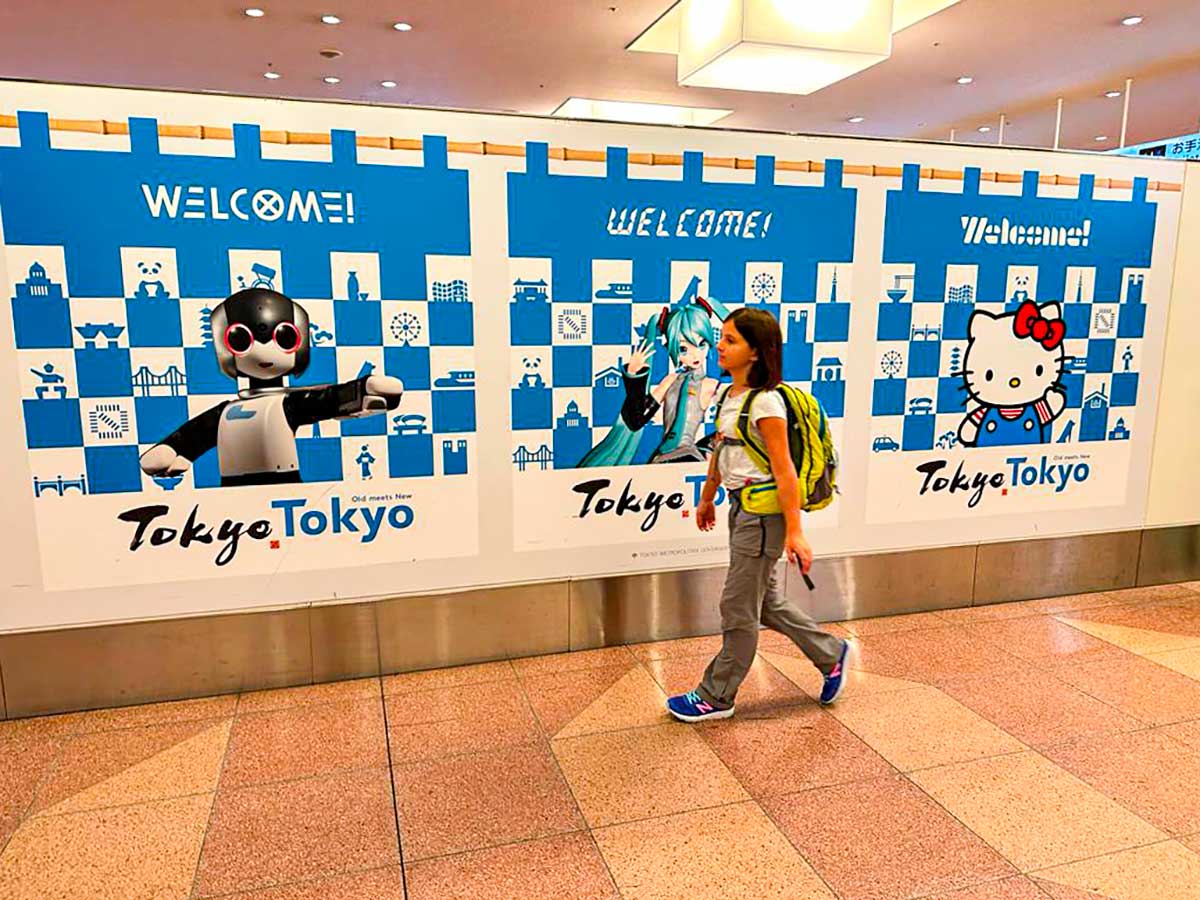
pixel 754 447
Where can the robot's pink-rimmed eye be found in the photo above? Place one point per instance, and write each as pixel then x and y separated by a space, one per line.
pixel 287 337
pixel 238 339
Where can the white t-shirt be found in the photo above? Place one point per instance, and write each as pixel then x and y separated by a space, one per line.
pixel 736 467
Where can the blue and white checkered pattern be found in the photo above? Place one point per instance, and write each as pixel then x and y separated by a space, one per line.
pixel 934 279
pixel 108 378
pixel 116 260
pixel 580 295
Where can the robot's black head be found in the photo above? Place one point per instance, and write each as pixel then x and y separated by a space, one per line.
pixel 261 333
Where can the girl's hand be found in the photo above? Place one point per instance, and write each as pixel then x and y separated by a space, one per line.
pixel 706 515
pixel 799 552
pixel 639 358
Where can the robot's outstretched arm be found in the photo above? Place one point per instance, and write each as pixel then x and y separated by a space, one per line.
pixel 183 446
pixel 363 396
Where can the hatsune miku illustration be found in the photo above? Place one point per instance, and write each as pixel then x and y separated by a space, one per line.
pixel 1012 371
pixel 687 333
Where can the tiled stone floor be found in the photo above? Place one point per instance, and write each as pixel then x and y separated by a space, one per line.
pixel 1047 750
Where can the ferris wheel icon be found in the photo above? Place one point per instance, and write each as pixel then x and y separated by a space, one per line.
pixel 762 286
pixel 406 328
pixel 892 363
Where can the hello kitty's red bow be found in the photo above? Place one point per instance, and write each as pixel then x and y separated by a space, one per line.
pixel 1029 323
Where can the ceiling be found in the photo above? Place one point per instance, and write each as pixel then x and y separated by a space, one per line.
pixel 525 56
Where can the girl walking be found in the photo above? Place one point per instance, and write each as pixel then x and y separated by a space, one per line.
pixel 751 351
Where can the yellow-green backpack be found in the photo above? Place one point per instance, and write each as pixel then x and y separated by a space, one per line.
pixel 811 446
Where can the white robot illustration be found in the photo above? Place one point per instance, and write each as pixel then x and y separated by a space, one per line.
pixel 262 335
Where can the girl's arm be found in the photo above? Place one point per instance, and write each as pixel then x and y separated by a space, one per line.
pixel 783 470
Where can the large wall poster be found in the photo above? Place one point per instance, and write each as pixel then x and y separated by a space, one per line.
pixel 515 295
pixel 619 285
pixel 117 266
pixel 1010 349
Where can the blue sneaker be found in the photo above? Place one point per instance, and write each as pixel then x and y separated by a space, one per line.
pixel 690 708
pixel 835 681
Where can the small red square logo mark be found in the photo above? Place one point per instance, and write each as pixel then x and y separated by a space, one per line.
pixel 1004 492
pixel 687 513
pixel 274 545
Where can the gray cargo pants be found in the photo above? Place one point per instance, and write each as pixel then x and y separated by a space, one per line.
pixel 751 596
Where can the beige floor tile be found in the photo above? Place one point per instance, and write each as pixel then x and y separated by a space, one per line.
pixel 573 662
pixel 708 645
pixel 727 852
pixel 1145 771
pixel 568 867
pixel 1036 639
pixel 481 673
pixel 135 766
pixel 1154 593
pixel 894 624
pixel 377 884
pixel 1141 641
pixel 308 695
pixel 1019 888
pixel 1074 602
pixel 921 728
pixel 1187 733
pixel 1032 811
pixel 883 839
pixel 1185 662
pixel 635 700
pixel 149 850
pixel 1038 710
pixel 992 612
pixel 804 675
pixel 482 800
pixel 1167 871
pixel 638 774
pixel 1138 687
pixel 157 713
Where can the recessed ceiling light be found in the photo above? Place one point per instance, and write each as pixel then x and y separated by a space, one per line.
pixel 1102 137
pixel 984 129
pixel 1133 20
pixel 1112 95
pixel 331 79
pixel 272 75
pixel 254 12
pixel 331 20
pixel 630 111
pixel 854 120
pixel 965 79
pixel 387 84
pixel 402 26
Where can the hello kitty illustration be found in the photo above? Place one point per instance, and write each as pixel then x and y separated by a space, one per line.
pixel 1012 370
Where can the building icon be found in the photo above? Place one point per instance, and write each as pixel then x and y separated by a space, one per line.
pixel 92 333
pixel 608 393
pixel 1093 425
pixel 454 457
pixel 798 350
pixel 38 286
pixel 962 293
pixel 530 291
pixel 1135 288
pixel 454 291
pixel 529 313
pixel 572 437
pixel 829 387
